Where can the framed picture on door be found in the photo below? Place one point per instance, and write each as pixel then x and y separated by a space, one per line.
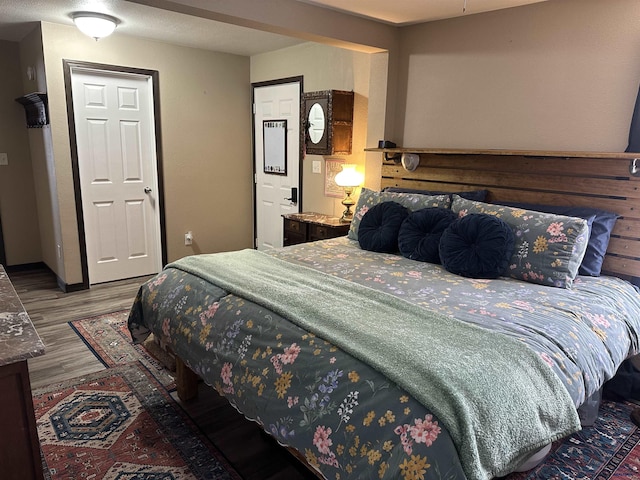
pixel 275 146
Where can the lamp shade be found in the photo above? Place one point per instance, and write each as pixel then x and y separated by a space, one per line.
pixel 349 177
pixel 96 25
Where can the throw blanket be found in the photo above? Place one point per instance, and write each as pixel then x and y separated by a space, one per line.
pixel 499 401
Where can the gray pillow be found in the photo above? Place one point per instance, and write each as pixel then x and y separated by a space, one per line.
pixel 548 248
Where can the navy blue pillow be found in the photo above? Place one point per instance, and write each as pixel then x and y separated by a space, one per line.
pixel 477 195
pixel 477 246
pixel 419 237
pixel 600 223
pixel 379 227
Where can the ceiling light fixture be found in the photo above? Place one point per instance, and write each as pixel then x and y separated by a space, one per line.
pixel 96 25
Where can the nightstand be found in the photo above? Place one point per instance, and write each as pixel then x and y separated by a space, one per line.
pixel 310 226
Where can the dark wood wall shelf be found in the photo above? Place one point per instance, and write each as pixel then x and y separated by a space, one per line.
pixel 506 152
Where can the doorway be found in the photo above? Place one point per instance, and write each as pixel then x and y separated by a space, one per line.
pixel 114 134
pixel 276 104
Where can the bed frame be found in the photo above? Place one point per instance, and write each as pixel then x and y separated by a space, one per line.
pixel 608 181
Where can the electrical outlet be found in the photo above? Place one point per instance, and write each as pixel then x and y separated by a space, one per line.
pixel 4 159
pixel 316 166
pixel 188 238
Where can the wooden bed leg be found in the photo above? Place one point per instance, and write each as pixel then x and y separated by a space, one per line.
pixel 186 381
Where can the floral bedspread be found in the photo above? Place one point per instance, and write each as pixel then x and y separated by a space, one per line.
pixel 345 418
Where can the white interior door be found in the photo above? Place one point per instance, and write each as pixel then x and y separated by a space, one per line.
pixel 273 190
pixel 115 135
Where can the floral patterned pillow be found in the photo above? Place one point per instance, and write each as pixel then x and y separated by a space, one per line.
pixel 548 248
pixel 413 201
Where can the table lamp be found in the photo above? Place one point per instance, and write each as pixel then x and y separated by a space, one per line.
pixel 348 179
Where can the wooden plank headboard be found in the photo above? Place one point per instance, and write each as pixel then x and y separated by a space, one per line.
pixel 599 180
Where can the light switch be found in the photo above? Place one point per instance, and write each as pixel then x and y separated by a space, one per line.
pixel 4 159
pixel 317 166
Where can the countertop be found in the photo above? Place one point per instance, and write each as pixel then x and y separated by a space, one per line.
pixel 19 339
pixel 317 218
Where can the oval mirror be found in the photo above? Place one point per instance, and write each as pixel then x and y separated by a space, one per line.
pixel 316 123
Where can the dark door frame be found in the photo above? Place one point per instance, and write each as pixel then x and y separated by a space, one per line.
pixel 68 65
pixel 299 79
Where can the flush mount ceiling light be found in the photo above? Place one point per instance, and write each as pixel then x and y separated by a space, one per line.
pixel 96 25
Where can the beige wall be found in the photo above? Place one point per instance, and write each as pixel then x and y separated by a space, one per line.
pixel 18 211
pixel 329 68
pixel 557 75
pixel 44 178
pixel 205 127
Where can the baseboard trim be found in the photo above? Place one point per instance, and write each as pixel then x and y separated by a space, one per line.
pixel 39 266
pixel 69 288
pixel 26 266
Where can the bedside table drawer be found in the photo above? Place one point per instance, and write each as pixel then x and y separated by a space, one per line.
pixel 294 232
pixel 295 227
pixel 322 232
pixel 309 227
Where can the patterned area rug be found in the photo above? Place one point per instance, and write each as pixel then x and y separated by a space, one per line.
pixel 608 450
pixel 108 338
pixel 121 424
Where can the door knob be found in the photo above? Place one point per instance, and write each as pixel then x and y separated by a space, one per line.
pixel 147 189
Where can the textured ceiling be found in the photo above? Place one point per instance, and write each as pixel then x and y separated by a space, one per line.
pixel 19 17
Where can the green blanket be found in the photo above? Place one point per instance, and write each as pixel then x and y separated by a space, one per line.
pixel 498 399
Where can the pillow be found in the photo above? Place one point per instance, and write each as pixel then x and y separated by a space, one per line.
pixel 478 195
pixel 600 223
pixel 548 248
pixel 598 243
pixel 369 198
pixel 477 246
pixel 419 236
pixel 380 226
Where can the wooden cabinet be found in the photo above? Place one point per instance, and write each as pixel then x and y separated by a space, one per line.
pixel 19 341
pixel 328 122
pixel 310 226
pixel 19 446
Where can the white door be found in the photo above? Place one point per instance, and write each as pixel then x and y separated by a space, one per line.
pixel 115 135
pixel 274 190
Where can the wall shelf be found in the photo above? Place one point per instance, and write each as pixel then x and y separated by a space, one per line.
pixel 523 153
pixel 36 109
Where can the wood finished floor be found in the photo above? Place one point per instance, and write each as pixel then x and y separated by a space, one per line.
pixel 254 454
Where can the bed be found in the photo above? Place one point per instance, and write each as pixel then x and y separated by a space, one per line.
pixel 374 365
